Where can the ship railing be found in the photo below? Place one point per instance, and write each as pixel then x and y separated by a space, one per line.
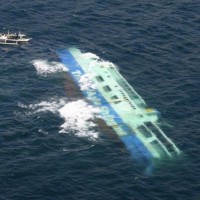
pixel 152 139
pixel 168 140
pixel 167 144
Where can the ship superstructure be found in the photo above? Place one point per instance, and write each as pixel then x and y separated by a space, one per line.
pixel 121 106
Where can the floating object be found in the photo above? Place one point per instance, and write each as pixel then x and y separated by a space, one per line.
pixel 122 108
pixel 13 38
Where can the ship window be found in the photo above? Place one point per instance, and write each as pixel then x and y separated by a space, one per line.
pixel 132 106
pixel 115 99
pixel 153 128
pixel 157 146
pixel 99 78
pixel 144 131
pixel 107 88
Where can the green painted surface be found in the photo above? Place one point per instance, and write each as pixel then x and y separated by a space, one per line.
pixel 131 108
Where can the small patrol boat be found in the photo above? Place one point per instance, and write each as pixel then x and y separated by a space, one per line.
pixel 13 38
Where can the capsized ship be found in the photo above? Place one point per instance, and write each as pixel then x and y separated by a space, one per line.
pixel 121 106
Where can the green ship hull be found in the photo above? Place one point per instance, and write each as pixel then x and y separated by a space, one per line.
pixel 121 106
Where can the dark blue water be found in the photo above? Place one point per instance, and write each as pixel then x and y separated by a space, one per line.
pixel 156 46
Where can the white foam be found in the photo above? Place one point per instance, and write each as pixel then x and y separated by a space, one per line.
pixel 86 82
pixel 43 132
pixel 44 67
pixel 78 115
pixel 53 105
pixel 21 105
pixel 89 56
pixel 94 60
